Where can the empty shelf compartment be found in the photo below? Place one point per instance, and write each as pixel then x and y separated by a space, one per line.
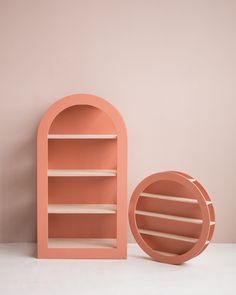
pixel 168 236
pixel 167 216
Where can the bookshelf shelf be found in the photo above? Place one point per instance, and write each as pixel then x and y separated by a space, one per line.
pixel 81 209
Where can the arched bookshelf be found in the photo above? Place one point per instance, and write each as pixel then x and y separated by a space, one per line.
pixel 82 180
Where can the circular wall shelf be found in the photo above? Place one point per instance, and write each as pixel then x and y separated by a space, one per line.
pixel 171 217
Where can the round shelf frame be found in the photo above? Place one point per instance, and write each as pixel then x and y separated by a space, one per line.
pixel 188 196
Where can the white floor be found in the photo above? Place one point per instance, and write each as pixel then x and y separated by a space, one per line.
pixel 213 272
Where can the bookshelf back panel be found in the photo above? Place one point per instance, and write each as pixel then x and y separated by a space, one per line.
pixel 82 154
pixel 82 190
pixel 82 119
pixel 82 226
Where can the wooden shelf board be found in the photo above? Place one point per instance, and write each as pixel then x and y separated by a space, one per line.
pixel 168 236
pixel 82 209
pixel 166 253
pixel 167 216
pixel 81 243
pixel 208 202
pixel 80 172
pixel 172 198
pixel 82 136
pixel 169 198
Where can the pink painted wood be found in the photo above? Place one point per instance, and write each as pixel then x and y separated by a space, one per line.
pixel 82 114
pixel 171 217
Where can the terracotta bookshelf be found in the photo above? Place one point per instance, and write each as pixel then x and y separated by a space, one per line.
pixel 82 180
pixel 171 217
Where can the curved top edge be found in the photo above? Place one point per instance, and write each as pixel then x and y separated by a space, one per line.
pixel 159 175
pixel 81 99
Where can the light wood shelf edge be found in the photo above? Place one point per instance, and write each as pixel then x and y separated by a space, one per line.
pixel 171 198
pixel 168 236
pixel 82 136
pixel 82 208
pixel 80 172
pixel 81 243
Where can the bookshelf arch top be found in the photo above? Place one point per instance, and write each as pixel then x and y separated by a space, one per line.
pixel 82 114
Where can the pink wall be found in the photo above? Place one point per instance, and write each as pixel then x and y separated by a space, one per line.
pixel 168 66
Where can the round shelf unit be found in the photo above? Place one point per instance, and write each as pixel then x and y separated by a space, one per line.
pixel 171 217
